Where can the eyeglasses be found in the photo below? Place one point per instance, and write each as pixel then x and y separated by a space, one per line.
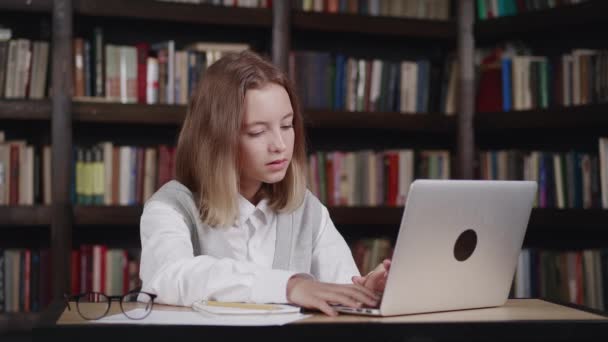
pixel 95 305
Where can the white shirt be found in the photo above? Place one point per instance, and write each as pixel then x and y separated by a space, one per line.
pixel 237 261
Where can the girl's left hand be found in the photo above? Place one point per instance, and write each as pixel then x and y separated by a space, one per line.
pixel 376 279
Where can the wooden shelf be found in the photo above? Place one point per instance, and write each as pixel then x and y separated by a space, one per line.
pixel 587 116
pixel 541 218
pixel 25 109
pixel 396 121
pixel 177 12
pixel 18 321
pixel 559 18
pixel 128 113
pixel 174 115
pixel 38 215
pixel 389 26
pixel 27 5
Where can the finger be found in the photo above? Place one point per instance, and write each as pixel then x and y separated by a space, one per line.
pixel 387 264
pixel 361 294
pixel 326 308
pixel 363 288
pixel 358 280
pixel 341 298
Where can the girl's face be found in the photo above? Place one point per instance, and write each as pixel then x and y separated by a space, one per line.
pixel 267 136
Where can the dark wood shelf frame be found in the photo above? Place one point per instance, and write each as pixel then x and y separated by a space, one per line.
pixel 177 12
pixel 25 109
pixel 18 321
pixel 540 219
pixel 388 26
pixel 566 17
pixel 585 116
pixel 27 5
pixel 36 215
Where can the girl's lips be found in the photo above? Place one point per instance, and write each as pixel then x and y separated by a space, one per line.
pixel 278 165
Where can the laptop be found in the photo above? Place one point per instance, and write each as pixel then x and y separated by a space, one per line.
pixel 457 246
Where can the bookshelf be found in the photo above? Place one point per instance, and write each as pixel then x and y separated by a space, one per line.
pixel 550 227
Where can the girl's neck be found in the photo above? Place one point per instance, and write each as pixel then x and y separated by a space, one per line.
pixel 251 192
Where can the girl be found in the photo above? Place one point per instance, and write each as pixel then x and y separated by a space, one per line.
pixel 238 224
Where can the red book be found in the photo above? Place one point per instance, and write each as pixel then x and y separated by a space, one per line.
pixel 489 94
pixel 329 176
pixel 27 276
pixel 75 271
pixel 393 174
pixel 102 269
pixel 142 71
pixel 86 268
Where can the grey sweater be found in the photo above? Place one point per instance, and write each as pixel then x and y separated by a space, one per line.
pixel 295 231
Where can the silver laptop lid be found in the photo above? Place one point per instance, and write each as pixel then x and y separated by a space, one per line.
pixel 458 245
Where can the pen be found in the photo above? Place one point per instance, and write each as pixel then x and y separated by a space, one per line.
pixel 241 305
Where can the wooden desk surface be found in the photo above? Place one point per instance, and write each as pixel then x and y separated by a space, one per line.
pixel 514 310
pixel 519 320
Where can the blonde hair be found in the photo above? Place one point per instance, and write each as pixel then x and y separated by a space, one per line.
pixel 207 148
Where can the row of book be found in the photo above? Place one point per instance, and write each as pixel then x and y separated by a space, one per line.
pixel 565 180
pixel 23 67
pixel 422 9
pixel 146 73
pixel 579 277
pixel 25 173
pixel 106 174
pixel 25 278
pixel 488 9
pixel 227 3
pixel 337 82
pixel 99 268
pixel 512 81
pixel 369 253
pixel 372 178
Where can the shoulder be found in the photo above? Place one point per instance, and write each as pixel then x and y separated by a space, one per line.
pixel 174 195
pixel 310 204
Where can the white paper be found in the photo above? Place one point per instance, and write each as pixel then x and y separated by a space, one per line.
pixel 201 318
pixel 279 309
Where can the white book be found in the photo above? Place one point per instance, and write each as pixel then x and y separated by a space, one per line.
pixel 109 290
pixel 360 101
pixel 125 174
pixel 412 87
pixel 374 91
pixel 520 274
pixel 406 174
pixel 150 172
pixel 351 79
pixel 27 196
pixel 152 80
pixel 11 70
pixel 46 175
pixel 589 279
pixel 23 66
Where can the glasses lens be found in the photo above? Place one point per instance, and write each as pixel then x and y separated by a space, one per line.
pixel 136 305
pixel 93 305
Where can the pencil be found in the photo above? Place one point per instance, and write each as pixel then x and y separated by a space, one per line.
pixel 241 305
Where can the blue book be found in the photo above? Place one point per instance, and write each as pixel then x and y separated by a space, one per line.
pixel 340 81
pixel 422 100
pixel 506 84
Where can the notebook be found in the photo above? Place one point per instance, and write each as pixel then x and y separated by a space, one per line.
pixel 235 308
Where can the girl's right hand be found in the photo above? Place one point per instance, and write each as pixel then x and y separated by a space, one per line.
pixel 312 294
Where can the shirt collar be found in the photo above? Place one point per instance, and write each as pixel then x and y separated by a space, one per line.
pixel 247 210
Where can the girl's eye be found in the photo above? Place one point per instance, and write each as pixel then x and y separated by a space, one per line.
pixel 255 134
pixel 287 126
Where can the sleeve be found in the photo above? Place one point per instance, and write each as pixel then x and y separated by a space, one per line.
pixel 170 270
pixel 332 260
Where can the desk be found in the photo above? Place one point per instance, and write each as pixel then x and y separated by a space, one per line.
pixel 518 320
